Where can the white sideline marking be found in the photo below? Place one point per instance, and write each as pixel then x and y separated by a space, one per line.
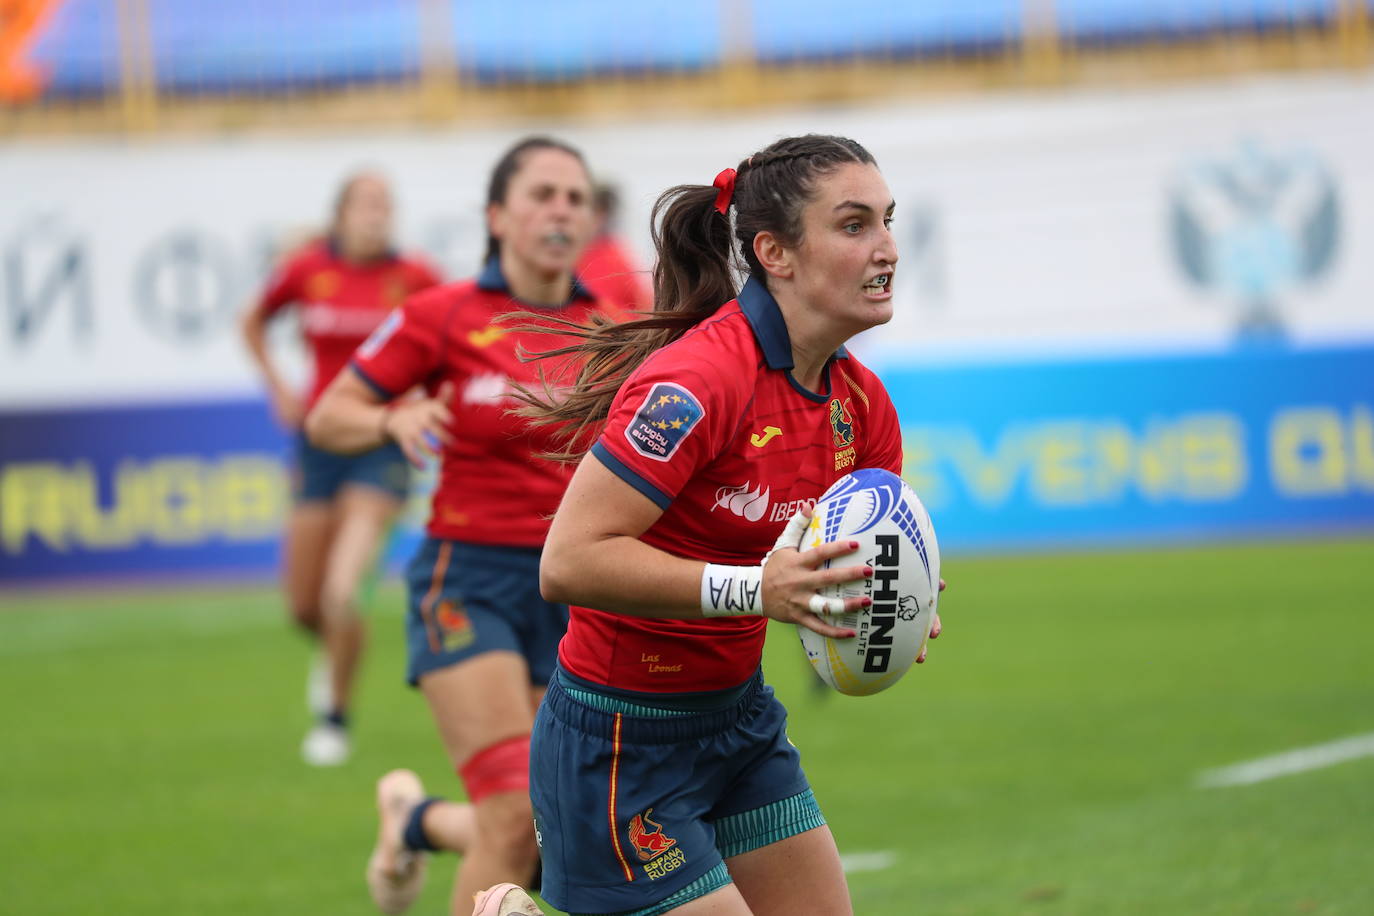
pixel 868 861
pixel 1295 761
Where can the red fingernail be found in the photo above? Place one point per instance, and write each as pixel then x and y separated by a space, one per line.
pixel 853 545
pixel 865 601
pixel 868 570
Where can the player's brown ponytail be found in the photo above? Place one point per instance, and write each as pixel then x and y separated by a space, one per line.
pixel 697 271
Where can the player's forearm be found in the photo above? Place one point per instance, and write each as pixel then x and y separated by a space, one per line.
pixel 339 423
pixel 253 329
pixel 622 575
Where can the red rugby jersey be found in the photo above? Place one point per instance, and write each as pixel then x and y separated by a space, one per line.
pixel 340 301
pixel 714 429
pixel 493 488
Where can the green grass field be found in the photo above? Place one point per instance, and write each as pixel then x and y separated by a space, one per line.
pixel 1043 761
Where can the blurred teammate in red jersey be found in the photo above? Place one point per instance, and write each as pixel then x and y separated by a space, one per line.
pixel 662 779
pixel 341 288
pixel 482 641
pixel 607 267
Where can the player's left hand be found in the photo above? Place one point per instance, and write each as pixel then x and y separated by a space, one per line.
pixel 792 580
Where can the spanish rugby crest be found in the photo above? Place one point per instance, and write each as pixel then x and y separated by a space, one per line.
pixel 454 625
pixel 842 422
pixel 654 847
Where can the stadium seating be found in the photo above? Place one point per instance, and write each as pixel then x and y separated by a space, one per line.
pixel 257 46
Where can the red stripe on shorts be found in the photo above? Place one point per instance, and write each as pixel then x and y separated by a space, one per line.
pixel 615 773
pixel 436 587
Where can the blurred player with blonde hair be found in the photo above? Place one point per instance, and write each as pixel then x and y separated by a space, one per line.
pixel 341 286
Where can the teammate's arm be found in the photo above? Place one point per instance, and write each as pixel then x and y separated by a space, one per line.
pixel 287 405
pixel 594 557
pixel 352 416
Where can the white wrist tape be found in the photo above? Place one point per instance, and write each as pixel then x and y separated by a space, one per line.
pixel 731 591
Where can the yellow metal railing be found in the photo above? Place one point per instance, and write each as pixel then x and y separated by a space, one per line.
pixel 1038 51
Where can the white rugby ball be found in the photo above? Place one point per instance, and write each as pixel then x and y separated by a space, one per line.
pixel 876 508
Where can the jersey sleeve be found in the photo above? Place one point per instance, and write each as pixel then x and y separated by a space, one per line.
pixel 670 419
pixel 404 350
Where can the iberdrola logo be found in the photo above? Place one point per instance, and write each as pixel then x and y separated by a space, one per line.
pixel 748 502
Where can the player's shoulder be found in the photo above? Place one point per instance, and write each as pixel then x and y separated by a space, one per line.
pixel 725 343
pixel 862 382
pixel 856 368
pixel 720 350
pixel 440 308
pixel 314 254
pixel 445 298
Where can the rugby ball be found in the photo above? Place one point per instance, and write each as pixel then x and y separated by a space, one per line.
pixel 876 508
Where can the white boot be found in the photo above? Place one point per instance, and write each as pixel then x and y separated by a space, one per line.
pixel 396 874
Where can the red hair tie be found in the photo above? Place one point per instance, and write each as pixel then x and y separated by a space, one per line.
pixel 725 182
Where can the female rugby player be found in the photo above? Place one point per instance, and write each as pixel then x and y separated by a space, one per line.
pixel 341 288
pixel 482 641
pixel 662 779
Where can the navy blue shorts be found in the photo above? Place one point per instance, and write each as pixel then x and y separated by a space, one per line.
pixel 637 811
pixel 319 474
pixel 466 599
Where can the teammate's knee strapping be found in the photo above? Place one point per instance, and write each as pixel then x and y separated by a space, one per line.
pixel 500 767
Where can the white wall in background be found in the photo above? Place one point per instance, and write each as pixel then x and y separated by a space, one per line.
pixel 1029 224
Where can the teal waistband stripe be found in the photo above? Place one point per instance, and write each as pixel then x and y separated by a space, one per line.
pixel 615 704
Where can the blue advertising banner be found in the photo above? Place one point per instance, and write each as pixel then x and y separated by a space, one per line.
pixel 1004 456
pixel 175 489
pixel 1251 442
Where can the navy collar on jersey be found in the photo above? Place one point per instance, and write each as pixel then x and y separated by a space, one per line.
pixel 765 318
pixel 493 280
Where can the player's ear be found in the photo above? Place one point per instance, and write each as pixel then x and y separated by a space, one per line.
pixel 496 220
pixel 775 257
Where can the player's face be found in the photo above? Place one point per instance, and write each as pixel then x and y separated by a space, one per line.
pixel 846 260
pixel 365 219
pixel 546 218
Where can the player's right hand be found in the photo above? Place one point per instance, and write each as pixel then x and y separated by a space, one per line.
pixel 792 580
pixel 421 427
pixel 288 408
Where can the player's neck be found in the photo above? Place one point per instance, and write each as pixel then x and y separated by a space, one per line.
pixel 535 287
pixel 361 254
pixel 812 339
pixel 808 373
